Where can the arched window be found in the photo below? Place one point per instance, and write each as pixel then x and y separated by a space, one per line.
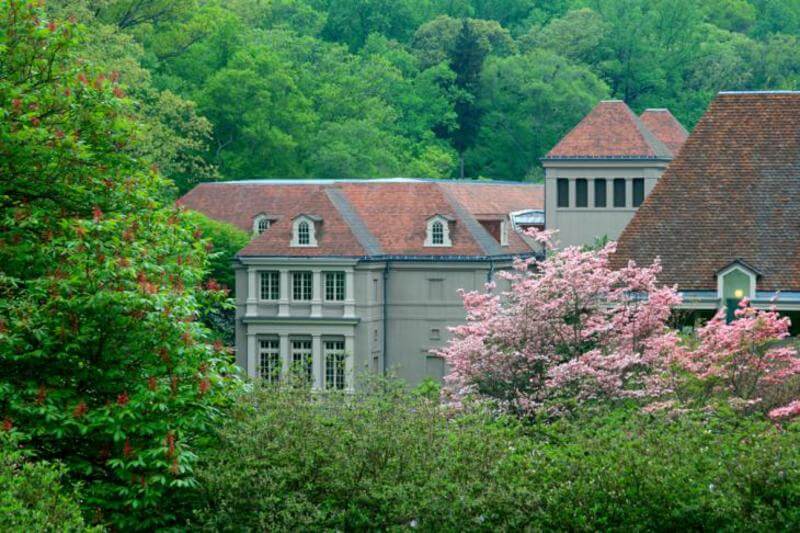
pixel 261 224
pixel 303 237
pixel 304 230
pixel 437 233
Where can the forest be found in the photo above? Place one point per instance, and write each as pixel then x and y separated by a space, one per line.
pixel 250 89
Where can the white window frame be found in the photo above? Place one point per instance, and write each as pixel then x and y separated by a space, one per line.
pixel 274 288
pixel 269 360
pixel 335 286
pixel 306 285
pixel 297 223
pixel 730 268
pixel 302 354
pixel 429 234
pixel 257 223
pixel 335 359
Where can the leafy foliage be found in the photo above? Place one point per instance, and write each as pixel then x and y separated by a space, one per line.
pixel 33 496
pixel 346 88
pixel 103 364
pixel 391 459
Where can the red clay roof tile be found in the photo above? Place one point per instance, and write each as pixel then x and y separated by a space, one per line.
pixel 666 128
pixel 393 212
pixel 610 130
pixel 732 193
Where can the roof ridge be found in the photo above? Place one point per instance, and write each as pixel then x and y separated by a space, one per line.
pixel 365 238
pixel 659 148
pixel 475 228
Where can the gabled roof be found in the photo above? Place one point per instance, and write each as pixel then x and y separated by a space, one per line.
pixel 369 217
pixel 666 128
pixel 610 131
pixel 732 193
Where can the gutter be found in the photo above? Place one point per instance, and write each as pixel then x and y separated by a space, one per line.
pixel 244 259
pixel 385 317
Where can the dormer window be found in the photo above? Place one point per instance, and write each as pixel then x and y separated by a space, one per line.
pixel 303 234
pixel 735 281
pixel 261 223
pixel 438 234
pixel 304 230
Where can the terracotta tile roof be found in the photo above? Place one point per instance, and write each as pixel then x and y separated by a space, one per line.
pixel 377 217
pixel 610 131
pixel 732 193
pixel 666 128
pixel 240 203
pixel 488 198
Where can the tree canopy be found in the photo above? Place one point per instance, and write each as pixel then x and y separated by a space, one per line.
pixel 359 89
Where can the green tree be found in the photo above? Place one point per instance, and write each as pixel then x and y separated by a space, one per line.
pixel 467 62
pixel 528 103
pixel 103 364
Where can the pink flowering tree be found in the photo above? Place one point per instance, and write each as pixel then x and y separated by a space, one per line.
pixel 570 328
pixel 745 361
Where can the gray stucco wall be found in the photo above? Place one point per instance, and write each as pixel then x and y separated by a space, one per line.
pixel 422 302
pixel 582 225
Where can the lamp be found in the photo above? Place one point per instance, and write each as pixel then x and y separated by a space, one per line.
pixel 738 293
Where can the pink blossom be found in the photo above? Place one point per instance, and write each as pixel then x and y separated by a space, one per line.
pixel 568 327
pixel 787 411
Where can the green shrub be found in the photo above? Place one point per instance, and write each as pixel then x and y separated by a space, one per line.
pixel 388 459
pixel 32 497
pixel 631 471
pixel 290 459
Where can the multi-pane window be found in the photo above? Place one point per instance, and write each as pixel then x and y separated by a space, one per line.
pixel 302 360
pixel 263 225
pixel 303 233
pixel 562 191
pixel 638 191
pixel 600 192
pixel 301 285
pixel 334 364
pixel 437 233
pixel 619 192
pixel 270 285
pixel 270 360
pixel 334 286
pixel 581 193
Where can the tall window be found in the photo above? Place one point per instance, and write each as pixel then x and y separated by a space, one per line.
pixel 619 192
pixel 301 285
pixel 600 192
pixel 638 191
pixel 303 233
pixel 562 191
pixel 581 193
pixel 270 359
pixel 334 364
pixel 437 233
pixel 334 286
pixel 270 285
pixel 302 361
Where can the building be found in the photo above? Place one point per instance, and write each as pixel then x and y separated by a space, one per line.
pixel 343 277
pixel 598 175
pixel 725 216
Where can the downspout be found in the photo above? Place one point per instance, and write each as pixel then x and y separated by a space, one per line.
pixel 385 315
pixel 490 273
